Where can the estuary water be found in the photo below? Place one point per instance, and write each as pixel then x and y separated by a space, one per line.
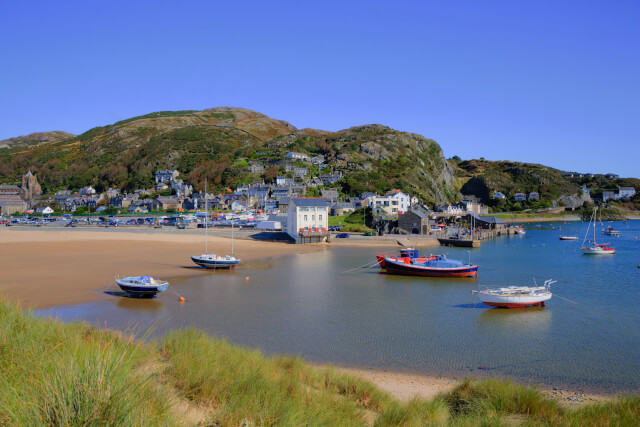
pixel 588 335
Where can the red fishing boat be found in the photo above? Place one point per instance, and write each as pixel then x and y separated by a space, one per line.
pixel 434 266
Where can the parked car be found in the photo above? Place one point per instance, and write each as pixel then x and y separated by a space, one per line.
pixel 131 222
pixel 342 235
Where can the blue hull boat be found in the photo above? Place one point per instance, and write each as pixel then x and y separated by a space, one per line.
pixel 142 286
pixel 215 261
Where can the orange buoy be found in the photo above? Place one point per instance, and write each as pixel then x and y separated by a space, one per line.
pixel 247 278
pixel 181 299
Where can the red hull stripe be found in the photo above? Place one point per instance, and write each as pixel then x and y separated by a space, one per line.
pixel 408 270
pixel 511 305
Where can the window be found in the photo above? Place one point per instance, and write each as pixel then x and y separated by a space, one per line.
pixel 304 209
pixel 305 217
pixel 313 217
pixel 319 217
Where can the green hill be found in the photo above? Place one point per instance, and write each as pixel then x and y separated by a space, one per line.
pixel 483 179
pixel 218 143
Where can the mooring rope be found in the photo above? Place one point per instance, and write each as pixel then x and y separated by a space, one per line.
pixel 367 265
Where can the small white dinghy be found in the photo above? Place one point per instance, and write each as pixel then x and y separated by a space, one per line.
pixel 516 296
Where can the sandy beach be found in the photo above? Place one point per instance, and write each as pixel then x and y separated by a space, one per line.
pixel 44 268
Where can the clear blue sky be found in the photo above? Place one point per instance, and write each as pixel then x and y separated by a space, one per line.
pixel 551 82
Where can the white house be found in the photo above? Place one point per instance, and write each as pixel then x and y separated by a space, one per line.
pixel 498 195
pixel 520 197
pixel 389 205
pixel 297 156
pixel 44 210
pixel 237 206
pixel 404 201
pixel 625 192
pixel 308 219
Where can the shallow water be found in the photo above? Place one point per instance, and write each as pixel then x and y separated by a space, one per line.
pixel 307 305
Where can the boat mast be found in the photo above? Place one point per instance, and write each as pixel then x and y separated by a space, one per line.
pixel 206 217
pixel 595 208
pixel 589 225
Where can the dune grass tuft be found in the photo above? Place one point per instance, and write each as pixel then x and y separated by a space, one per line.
pixel 71 374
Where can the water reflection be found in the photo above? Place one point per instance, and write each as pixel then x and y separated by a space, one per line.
pixel 505 321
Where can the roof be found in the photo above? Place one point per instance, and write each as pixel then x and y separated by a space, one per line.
pixel 310 202
pixel 419 213
pixel 487 219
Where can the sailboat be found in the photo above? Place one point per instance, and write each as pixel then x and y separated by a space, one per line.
pixel 212 260
pixel 595 248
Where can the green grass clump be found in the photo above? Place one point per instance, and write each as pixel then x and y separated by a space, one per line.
pixel 494 399
pixel 244 386
pixel 417 412
pixel 71 374
pixel 623 411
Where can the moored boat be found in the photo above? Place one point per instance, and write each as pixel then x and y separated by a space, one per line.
pixel 610 231
pixel 142 286
pixel 568 237
pixel 593 248
pixel 516 296
pixel 434 266
pixel 410 253
pixel 215 261
pixel 599 249
pixel 212 260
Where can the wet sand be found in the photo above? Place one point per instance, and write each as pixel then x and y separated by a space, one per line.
pixel 44 268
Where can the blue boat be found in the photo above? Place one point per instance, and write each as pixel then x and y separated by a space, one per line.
pixel 142 286
pixel 215 261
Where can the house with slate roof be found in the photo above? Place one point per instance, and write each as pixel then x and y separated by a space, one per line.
pixel 415 221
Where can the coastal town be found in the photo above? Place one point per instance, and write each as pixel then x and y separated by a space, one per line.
pixel 297 203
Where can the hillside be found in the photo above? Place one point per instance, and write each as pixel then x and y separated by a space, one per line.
pixel 219 143
pixel 35 139
pixel 483 179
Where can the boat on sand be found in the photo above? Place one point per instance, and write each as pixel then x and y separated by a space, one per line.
pixel 142 286
pixel 208 260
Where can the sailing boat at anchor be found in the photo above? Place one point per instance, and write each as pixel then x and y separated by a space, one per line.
pixel 594 248
pixel 208 260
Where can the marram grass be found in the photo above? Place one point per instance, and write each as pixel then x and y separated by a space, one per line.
pixel 72 374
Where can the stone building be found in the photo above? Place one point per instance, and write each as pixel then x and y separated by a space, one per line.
pixel 30 186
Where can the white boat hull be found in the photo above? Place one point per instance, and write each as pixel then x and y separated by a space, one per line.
pixel 598 251
pixel 516 296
